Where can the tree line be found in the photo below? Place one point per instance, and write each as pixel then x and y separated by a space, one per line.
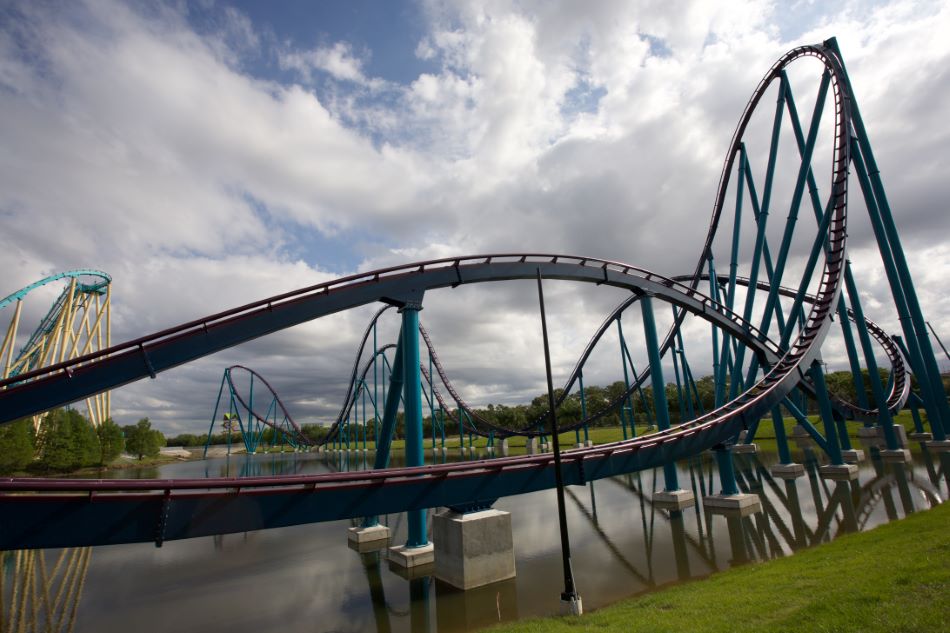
pixel 67 441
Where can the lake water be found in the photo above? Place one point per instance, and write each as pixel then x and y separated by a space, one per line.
pixel 305 578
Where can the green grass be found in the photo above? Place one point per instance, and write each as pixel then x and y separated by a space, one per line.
pixel 893 578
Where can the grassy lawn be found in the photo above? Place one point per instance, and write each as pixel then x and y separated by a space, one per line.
pixel 893 578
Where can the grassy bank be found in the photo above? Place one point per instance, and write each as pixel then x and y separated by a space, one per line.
pixel 893 578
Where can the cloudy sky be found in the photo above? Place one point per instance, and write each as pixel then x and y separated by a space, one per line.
pixel 207 154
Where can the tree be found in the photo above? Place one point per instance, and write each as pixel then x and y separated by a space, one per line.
pixel 16 446
pixel 143 441
pixel 111 442
pixel 66 441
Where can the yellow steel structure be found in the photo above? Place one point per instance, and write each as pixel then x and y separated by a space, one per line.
pixel 39 594
pixel 79 322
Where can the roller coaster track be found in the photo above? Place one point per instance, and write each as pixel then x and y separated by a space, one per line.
pixel 297 435
pixel 51 513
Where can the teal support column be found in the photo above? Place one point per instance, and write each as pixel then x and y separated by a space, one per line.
pixel 626 383
pixel 827 416
pixel 916 324
pixel 375 388
pixel 933 394
pixel 781 439
pixel 727 471
pixel 412 387
pixel 660 404
pixel 385 438
pixel 580 378
pixel 214 416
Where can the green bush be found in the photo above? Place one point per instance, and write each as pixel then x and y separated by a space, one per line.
pixel 16 446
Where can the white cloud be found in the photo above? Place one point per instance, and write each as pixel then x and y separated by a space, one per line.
pixel 338 61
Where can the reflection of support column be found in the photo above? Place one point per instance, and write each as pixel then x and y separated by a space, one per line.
pixel 730 501
pixel 458 610
pixel 417 550
pixel 672 496
pixel 473 549
pixel 846 503
pixel 795 510
pixel 737 539
pixel 679 544
pixel 371 566
pixel 419 605
pixel 903 489
pixel 40 598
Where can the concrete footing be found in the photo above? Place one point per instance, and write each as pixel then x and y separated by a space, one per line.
pixel 788 471
pixel 590 443
pixel 867 431
pixel 852 455
pixel 574 606
pixel 921 437
pixel 376 534
pixel 839 472
pixel 741 504
pixel 674 499
pixel 899 431
pixel 412 557
pixel 473 549
pixel 744 448
pixel 545 447
pixel 531 445
pixel 938 446
pixel 901 455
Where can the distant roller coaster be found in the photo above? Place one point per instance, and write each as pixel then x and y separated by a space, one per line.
pixel 78 323
pixel 769 317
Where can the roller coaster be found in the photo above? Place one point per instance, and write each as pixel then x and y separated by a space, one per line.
pixel 770 317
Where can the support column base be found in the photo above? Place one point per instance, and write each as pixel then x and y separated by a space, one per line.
pixel 373 534
pixel 901 455
pixel 921 437
pixel 473 549
pixel 411 557
pixel 788 471
pixel 838 472
pixel 590 443
pixel 674 499
pixel 852 455
pixel 938 446
pixel 899 431
pixel 867 431
pixel 545 447
pixel 744 448
pixel 572 606
pixel 741 504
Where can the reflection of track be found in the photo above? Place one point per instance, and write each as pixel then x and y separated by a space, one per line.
pixel 169 509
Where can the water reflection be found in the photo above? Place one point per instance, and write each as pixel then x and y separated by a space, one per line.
pixel 307 579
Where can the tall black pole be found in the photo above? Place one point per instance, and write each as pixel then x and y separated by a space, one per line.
pixel 569 595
